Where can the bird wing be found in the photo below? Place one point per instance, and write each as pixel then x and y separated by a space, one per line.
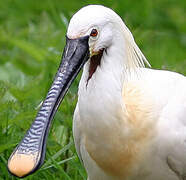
pixel 168 91
pixel 173 129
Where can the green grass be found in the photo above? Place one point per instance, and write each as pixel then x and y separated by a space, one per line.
pixel 32 36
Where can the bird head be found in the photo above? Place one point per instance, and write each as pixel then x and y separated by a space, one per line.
pixel 98 23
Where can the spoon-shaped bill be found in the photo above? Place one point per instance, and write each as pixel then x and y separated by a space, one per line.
pixel 30 153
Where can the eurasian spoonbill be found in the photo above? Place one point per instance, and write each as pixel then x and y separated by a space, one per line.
pixel 129 121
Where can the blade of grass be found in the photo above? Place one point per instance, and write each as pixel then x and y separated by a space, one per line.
pixel 59 163
pixel 55 156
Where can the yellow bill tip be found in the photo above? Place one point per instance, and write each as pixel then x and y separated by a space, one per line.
pixel 21 164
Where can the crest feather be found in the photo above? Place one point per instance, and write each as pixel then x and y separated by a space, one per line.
pixel 135 57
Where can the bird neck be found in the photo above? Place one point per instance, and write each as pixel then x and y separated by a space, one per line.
pixel 101 97
pixel 111 73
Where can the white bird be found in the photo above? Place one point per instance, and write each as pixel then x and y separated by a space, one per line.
pixel 129 121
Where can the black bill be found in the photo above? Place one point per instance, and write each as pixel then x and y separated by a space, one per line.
pixel 30 153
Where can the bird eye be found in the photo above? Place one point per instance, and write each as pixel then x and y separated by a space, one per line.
pixel 94 33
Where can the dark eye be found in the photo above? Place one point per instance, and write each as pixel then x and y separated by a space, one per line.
pixel 94 33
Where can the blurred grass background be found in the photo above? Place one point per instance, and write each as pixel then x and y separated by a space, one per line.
pixel 32 36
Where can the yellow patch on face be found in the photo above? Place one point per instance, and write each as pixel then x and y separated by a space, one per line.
pixel 120 152
pixel 92 52
pixel 21 164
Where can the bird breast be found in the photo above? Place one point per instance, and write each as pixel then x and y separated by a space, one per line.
pixel 117 126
